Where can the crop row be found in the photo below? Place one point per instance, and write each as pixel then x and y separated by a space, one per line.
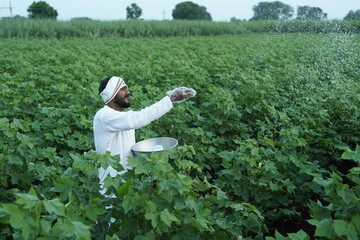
pixel 27 28
pixel 260 146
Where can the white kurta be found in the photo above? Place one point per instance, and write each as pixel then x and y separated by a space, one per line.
pixel 114 131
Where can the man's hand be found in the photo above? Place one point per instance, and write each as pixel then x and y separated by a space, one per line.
pixel 180 94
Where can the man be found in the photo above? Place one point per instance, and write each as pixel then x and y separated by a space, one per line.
pixel 114 129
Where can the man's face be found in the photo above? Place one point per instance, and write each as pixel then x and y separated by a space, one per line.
pixel 122 98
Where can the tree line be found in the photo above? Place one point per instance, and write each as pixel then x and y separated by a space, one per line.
pixel 191 11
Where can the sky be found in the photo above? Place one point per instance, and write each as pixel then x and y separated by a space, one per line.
pixel 222 10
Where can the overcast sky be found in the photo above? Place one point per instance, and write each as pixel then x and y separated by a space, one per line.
pixel 222 10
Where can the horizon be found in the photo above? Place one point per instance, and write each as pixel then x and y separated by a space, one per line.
pixel 162 9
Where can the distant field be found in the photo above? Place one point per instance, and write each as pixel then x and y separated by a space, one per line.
pixel 90 28
pixel 260 146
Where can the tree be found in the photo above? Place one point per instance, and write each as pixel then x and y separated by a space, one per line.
pixel 306 12
pixel 190 11
pixel 272 11
pixel 133 11
pixel 42 10
pixel 353 15
pixel 206 14
pixel 234 19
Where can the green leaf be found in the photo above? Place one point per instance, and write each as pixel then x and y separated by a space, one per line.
pixel 131 201
pixel 63 229
pixel 237 206
pixel 202 222
pixel 279 236
pixel 300 235
pixel 16 221
pixel 16 124
pixel 347 195
pixel 148 236
pixel 186 165
pixel 107 160
pixel 111 181
pixel 140 237
pixel 221 195
pixel 154 217
pixel 32 191
pixel 322 182
pixel 3 213
pixel 28 200
pixel 28 227
pixel 4 124
pixel 226 157
pixel 152 214
pixel 150 206
pixel 94 209
pixel 171 184
pixel 62 185
pixel 54 206
pixel 352 234
pixel 318 211
pixel 351 155
pixel 355 221
pixel 81 230
pixel 138 161
pixel 167 218
pixel 143 168
pixel 123 189
pixel 323 227
pixel 45 226
pixel 16 214
pixel 340 227
pixel 252 207
pixel 289 185
pixel 113 237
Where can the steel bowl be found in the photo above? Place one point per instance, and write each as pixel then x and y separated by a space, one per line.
pixel 159 145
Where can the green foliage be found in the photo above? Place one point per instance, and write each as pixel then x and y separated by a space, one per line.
pixel 133 11
pixel 260 150
pixel 190 11
pixel 311 26
pixel 161 199
pixel 42 9
pixel 34 217
pixel 272 11
pixel 57 207
pixel 306 12
pixel 30 28
pixel 341 217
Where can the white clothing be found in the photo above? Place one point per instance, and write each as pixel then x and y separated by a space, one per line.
pixel 114 131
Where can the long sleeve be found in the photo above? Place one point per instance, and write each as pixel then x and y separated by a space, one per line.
pixel 114 121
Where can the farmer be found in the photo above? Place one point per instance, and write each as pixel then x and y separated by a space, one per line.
pixel 114 129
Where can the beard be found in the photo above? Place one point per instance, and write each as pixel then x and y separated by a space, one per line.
pixel 122 102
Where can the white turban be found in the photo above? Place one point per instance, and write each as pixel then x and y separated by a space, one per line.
pixel 112 88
